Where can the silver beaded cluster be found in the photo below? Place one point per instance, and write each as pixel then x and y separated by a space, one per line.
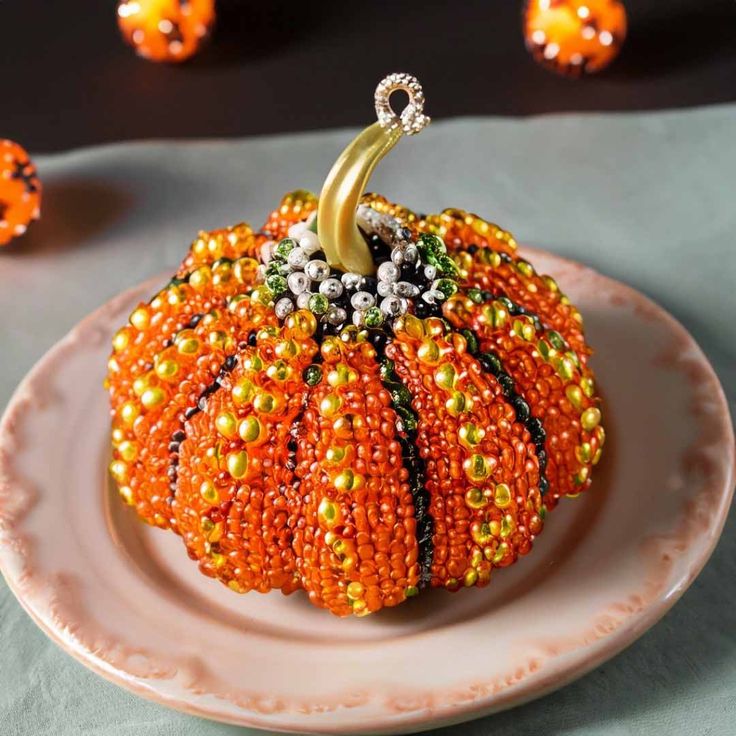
pixel 300 278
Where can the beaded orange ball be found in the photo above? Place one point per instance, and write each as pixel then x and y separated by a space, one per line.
pixel 166 30
pixel 20 191
pixel 574 36
pixel 355 400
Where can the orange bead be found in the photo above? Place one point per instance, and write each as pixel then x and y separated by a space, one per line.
pixel 166 30
pixel 574 36
pixel 20 191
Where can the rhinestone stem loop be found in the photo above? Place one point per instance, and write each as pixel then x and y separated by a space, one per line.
pixel 412 119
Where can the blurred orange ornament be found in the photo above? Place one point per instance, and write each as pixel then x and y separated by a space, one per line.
pixel 166 30
pixel 20 191
pixel 574 36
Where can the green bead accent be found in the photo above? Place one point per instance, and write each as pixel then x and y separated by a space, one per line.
pixel 312 375
pixel 472 341
pixel 492 358
pixel 285 247
pixel 277 284
pixel 448 287
pixel 408 418
pixel 318 303
pixel 556 340
pixel 447 266
pixel 373 317
pixel 475 295
pixel 387 369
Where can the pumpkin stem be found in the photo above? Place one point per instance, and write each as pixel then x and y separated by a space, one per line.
pixel 342 242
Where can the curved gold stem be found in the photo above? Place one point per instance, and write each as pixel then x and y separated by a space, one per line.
pixel 337 228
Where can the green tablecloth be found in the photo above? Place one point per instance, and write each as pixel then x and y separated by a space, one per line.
pixel 649 199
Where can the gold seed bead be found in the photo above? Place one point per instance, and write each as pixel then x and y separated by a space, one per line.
pixel 503 548
pixel 574 395
pixel 581 476
pixel 218 560
pixel 237 464
pixel 264 403
pixel 330 405
pixel 588 386
pixel 428 352
pixel 335 455
pixel 227 424
pixel 287 349
pixel 117 435
pixel 250 429
pixel 141 384
pixel 209 493
pixel 355 590
pixel 409 325
pixel 445 376
pixel 188 346
pixel 590 418
pixel 129 412
pixel 481 533
pixel 243 392
pixel 470 434
pixel 167 369
pixel 217 338
pixel 261 295
pixel 140 318
pixel 347 480
pixel 507 525
pixel 502 496
pixel 470 578
pixel 153 397
pixel 120 340
pixel 476 467
pixel 200 278
pixel 279 371
pixel 119 471
pixel 128 451
pixel 475 498
pixel 457 403
pixel 597 457
pixel 341 375
pixel 328 513
pixel 126 494
pixel 565 368
pixel 253 363
pixel 584 453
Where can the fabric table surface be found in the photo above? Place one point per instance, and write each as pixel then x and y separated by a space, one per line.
pixel 645 198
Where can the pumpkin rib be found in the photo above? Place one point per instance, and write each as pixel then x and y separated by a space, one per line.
pixel 482 470
pixel 358 550
pixel 555 384
pixel 235 481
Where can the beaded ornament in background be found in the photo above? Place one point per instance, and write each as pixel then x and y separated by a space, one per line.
pixel 574 37
pixel 20 191
pixel 357 435
pixel 166 30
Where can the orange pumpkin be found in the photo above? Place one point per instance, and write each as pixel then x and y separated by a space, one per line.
pixel 358 436
pixel 20 191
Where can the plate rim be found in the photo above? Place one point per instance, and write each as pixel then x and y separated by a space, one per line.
pixel 583 661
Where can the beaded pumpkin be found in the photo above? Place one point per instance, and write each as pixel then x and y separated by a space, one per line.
pixel 359 436
pixel 166 30
pixel 575 36
pixel 20 191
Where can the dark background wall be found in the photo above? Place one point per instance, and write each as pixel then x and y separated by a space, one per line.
pixel 68 80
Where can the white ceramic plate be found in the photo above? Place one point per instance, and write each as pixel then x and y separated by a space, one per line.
pixel 126 601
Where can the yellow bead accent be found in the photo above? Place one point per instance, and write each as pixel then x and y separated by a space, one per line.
pixel 119 471
pixel 140 318
pixel 237 464
pixel 581 476
pixel 503 548
pixel 209 493
pixel 502 496
pixel 476 467
pixel 590 418
pixel 457 403
pixel 335 455
pixel 588 386
pixel 253 363
pixel 328 512
pixel 264 403
pixel 355 590
pixel 126 494
pixel 428 352
pixel 227 424
pixel 574 395
pixel 341 375
pixel 347 480
pixel 584 453
pixel 470 578
pixel 141 384
pixel 481 533
pixel 120 340
pixel 507 525
pixel 409 325
pixel 186 343
pixel 200 278
pixel 445 376
pixel 250 429
pixel 470 434
pixel 243 392
pixel 153 397
pixel 279 371
pixel 330 405
pixel 129 412
pixel 287 349
pixel 475 498
pixel 128 451
pixel 167 369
